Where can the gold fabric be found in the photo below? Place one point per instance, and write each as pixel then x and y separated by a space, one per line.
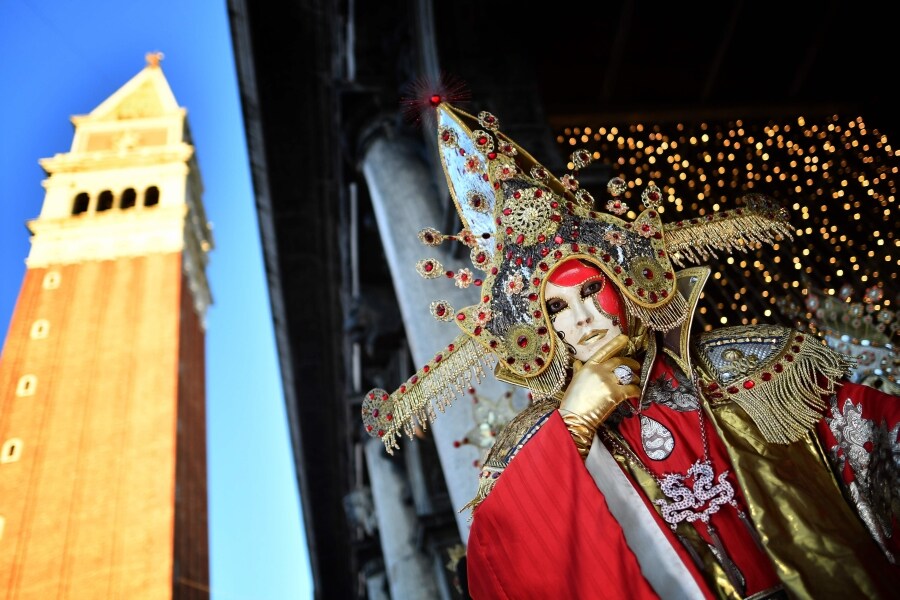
pixel 819 547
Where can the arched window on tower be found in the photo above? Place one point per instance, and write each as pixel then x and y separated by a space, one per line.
pixel 105 201
pixel 151 196
pixel 82 201
pixel 11 451
pixel 129 197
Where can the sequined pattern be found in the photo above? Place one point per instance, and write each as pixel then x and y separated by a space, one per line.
pixel 875 491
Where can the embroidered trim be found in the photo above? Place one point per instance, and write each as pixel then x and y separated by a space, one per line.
pixel 875 491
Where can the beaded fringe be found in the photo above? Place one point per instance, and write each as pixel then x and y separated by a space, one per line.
pixel 661 318
pixel 788 405
pixel 730 230
pixel 553 378
pixel 435 386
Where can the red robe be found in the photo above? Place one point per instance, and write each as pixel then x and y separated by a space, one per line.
pixel 545 530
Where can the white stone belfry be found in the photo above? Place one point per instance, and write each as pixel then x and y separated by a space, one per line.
pixel 129 186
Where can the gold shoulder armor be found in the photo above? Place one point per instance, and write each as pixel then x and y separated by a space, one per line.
pixel 780 376
pixel 508 442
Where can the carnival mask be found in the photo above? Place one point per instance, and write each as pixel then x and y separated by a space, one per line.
pixel 584 307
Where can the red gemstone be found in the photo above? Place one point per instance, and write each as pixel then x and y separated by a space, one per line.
pixel 647 273
pixel 492 155
pixel 748 385
pixel 617 269
pixel 629 281
pixel 380 432
pixel 545 348
pixel 522 341
pixel 492 343
pixel 402 389
pixel 713 386
pixel 645 227
pixel 414 379
pixel 482 141
pixel 657 236
pixel 538 193
pixel 435 100
pixel 449 274
pixel 369 428
pixel 778 367
pixel 537 314
pixel 519 260
pixel 641 292
pixel 451 347
pixel 460 317
pixel 554 204
pixel 557 255
pixel 429 267
pixel 607 258
pixel 527 367
pixel 799 338
pixel 440 310
pixel 542 238
pixel 539 361
pixel 477 330
pixel 789 357
pixel 426 368
pixel 543 266
pixel 517 194
pixel 480 257
pixel 533 297
pixel 542 331
pixel 795 348
pixel 653 297
pixel 520 238
pixel 592 250
pixel 477 282
pixel 545 251
pixel 669 275
pixel 438 358
pixel 510 360
pixel 766 376
pixel 664 293
pixel 574 247
pixel 732 390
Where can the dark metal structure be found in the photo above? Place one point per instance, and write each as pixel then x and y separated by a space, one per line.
pixel 319 78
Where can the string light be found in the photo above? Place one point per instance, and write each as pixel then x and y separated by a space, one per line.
pixel 837 175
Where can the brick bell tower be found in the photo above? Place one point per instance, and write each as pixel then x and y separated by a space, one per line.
pixel 102 392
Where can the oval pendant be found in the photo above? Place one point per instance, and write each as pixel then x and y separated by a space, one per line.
pixel 656 439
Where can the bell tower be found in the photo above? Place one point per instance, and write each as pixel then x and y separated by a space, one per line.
pixel 102 391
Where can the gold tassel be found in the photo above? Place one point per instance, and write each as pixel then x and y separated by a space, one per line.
pixel 434 385
pixel 486 483
pixel 728 231
pixel 787 406
pixel 661 318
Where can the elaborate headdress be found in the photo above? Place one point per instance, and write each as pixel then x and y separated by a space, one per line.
pixel 520 222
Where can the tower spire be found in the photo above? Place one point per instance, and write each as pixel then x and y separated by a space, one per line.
pixel 154 58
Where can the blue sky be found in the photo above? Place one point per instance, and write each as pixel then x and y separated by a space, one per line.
pixel 62 58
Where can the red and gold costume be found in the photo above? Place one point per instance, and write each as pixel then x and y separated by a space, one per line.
pixel 749 467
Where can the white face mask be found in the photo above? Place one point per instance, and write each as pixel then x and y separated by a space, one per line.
pixel 576 314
